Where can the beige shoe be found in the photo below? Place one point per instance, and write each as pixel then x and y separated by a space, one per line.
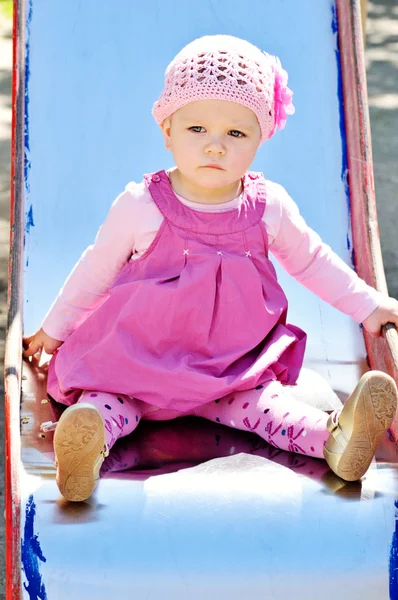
pixel 355 430
pixel 80 449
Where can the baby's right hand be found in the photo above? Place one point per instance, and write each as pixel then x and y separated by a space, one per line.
pixel 39 341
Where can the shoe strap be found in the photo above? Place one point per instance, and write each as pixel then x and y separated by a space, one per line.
pixel 334 428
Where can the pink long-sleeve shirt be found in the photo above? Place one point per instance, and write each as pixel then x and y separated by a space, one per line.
pixel 133 222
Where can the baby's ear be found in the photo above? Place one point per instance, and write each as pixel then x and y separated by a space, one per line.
pixel 166 130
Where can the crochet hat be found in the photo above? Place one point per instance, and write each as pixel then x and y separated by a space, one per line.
pixel 224 67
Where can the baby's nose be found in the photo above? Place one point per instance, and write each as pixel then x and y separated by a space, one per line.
pixel 215 148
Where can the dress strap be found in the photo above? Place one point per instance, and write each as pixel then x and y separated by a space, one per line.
pixel 247 214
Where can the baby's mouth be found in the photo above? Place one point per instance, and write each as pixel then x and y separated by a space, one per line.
pixel 213 166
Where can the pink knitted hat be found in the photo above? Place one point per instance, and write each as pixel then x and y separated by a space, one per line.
pixel 224 67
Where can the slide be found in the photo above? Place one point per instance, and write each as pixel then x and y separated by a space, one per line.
pixel 188 509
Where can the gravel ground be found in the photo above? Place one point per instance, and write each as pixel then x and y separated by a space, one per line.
pixel 382 68
pixel 382 73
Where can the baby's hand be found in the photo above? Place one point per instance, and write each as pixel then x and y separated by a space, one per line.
pixel 39 341
pixel 387 312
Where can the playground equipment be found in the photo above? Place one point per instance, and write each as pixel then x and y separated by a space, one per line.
pixel 225 516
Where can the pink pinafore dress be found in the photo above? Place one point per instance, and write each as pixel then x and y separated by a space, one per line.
pixel 199 315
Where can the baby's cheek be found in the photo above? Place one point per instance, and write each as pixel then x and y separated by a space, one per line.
pixel 241 161
pixel 186 158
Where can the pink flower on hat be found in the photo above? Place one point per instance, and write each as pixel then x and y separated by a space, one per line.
pixel 283 95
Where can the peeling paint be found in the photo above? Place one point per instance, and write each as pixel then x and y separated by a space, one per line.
pixel 29 220
pixel 27 164
pixel 394 558
pixel 334 18
pixel 344 161
pixel 31 553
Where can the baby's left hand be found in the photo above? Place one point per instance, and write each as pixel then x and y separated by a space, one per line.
pixel 387 312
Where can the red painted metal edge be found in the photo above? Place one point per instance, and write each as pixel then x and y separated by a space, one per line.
pixel 383 351
pixel 13 350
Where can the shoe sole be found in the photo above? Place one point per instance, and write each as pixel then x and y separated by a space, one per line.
pixel 79 440
pixel 375 405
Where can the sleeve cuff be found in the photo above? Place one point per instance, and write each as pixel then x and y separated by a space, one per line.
pixel 368 305
pixel 50 328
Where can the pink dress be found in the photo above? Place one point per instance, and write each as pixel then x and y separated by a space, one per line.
pixel 198 316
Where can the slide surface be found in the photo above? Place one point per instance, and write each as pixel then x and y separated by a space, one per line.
pixel 225 516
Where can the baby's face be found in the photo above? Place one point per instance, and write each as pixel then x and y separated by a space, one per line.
pixel 209 133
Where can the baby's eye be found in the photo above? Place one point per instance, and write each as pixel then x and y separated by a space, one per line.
pixel 197 129
pixel 236 133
